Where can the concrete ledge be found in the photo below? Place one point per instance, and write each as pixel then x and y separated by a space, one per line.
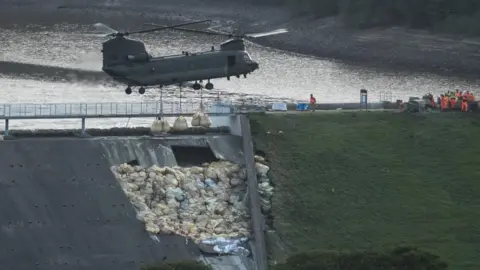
pixel 96 132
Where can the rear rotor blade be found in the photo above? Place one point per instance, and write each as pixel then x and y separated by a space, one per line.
pixel 166 27
pixel 269 33
pixel 105 29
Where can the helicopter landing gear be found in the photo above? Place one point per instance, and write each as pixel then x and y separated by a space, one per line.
pixel 209 86
pixel 245 75
pixel 128 91
pixel 141 90
pixel 197 86
pixel 228 78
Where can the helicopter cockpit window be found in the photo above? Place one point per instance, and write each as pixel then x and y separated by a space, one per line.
pixel 247 57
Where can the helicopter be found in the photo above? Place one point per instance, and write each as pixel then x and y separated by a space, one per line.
pixel 127 61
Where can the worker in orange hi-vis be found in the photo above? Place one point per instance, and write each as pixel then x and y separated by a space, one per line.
pixel 313 102
pixel 453 101
pixel 458 94
pixel 470 97
pixel 465 103
pixel 443 102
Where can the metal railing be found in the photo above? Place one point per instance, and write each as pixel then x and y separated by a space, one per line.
pixel 386 96
pixel 107 110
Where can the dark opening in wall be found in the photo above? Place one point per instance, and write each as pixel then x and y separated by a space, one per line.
pixel 260 153
pixel 133 163
pixel 193 156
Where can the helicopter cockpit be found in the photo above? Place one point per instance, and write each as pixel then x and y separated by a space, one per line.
pixel 247 57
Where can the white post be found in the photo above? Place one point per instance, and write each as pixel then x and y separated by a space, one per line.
pixel 161 103
pixel 180 98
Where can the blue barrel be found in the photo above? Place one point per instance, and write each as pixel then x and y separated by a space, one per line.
pixel 302 107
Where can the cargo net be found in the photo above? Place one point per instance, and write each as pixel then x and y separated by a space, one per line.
pixel 200 118
pixel 206 204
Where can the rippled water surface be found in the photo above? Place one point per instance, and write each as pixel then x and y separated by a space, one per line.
pixel 282 75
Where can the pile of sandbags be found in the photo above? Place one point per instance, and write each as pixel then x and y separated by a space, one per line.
pixel 201 119
pixel 265 188
pixel 198 202
pixel 180 124
pixel 160 126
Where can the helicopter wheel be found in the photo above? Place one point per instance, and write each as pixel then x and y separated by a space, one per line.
pixel 141 90
pixel 128 91
pixel 209 86
pixel 197 86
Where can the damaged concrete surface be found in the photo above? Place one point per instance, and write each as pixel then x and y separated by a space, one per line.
pixel 61 207
pixel 149 151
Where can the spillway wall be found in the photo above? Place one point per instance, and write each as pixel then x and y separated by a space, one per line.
pixel 61 207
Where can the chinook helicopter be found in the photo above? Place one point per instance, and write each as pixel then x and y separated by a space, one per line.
pixel 127 61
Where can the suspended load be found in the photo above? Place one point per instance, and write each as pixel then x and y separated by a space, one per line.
pixel 201 119
pixel 180 124
pixel 160 126
pixel 196 119
pixel 205 120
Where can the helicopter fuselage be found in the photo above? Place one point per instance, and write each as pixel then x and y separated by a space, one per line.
pixel 144 70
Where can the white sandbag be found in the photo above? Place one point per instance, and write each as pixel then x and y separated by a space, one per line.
pixel 196 119
pixel 198 202
pixel 205 121
pixel 259 159
pixel 165 126
pixel 160 126
pixel 262 169
pixel 180 124
pixel 156 126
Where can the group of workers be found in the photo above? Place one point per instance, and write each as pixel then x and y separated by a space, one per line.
pixel 449 100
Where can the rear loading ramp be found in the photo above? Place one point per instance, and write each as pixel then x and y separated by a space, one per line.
pixel 61 208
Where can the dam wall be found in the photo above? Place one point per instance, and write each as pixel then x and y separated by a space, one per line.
pixel 68 194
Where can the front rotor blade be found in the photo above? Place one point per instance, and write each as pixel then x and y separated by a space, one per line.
pixel 193 30
pixel 105 29
pixel 166 27
pixel 270 33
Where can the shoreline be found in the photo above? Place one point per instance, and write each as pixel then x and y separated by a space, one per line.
pixel 394 49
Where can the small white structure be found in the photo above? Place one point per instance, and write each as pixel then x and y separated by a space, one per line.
pixel 279 107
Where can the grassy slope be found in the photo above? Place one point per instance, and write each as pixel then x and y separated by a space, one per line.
pixel 376 180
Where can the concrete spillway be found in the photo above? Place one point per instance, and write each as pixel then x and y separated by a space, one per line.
pixel 61 207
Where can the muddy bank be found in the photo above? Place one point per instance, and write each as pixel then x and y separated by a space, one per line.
pixel 392 47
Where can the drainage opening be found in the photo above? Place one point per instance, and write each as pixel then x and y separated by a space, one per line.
pixel 133 163
pixel 193 156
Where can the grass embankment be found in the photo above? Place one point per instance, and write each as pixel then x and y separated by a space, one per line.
pixel 376 180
